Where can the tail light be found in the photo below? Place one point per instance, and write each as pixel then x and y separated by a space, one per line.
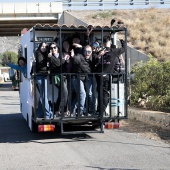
pixel 111 125
pixel 46 128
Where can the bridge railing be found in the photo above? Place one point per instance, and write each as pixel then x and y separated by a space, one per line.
pixel 113 4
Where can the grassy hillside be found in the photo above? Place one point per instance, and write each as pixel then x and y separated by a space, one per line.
pixel 9 44
pixel 148 29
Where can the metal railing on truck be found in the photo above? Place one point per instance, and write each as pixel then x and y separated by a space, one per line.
pixel 117 107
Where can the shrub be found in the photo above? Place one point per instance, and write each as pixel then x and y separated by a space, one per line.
pixel 151 79
pixel 12 57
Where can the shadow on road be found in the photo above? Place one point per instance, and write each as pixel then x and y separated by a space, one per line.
pixel 14 129
pixel 6 86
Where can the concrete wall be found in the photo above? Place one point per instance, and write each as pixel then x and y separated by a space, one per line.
pixel 135 56
pixel 72 20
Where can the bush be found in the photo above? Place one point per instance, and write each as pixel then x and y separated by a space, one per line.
pixel 152 82
pixel 12 57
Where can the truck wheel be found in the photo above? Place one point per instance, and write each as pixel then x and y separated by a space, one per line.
pixel 34 126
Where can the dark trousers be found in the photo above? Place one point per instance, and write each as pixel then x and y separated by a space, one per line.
pixel 103 89
pixel 62 99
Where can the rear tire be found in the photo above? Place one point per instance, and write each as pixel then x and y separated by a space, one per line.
pixel 34 125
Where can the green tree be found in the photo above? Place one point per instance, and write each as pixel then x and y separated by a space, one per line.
pixel 12 57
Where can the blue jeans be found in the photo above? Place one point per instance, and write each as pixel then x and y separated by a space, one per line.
pixel 43 105
pixel 82 94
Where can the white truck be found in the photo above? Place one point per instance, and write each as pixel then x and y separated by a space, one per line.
pixel 117 107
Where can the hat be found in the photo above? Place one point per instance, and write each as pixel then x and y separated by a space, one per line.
pixel 95 44
pixel 76 36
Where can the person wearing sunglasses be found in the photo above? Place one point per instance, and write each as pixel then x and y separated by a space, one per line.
pixel 56 68
pixel 79 67
pixel 90 80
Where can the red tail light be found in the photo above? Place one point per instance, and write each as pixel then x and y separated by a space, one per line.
pixel 111 125
pixel 46 128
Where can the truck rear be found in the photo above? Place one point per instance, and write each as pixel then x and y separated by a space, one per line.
pixel 91 122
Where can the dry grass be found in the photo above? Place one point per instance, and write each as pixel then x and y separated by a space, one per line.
pixel 148 29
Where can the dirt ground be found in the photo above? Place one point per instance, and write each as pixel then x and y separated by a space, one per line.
pixel 146 130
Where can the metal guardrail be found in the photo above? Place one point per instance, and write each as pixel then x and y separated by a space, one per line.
pixel 113 4
pixel 60 5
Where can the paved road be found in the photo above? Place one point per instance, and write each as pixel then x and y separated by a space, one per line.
pixel 115 149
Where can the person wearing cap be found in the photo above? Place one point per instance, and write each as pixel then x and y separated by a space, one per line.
pixel 95 47
pixel 55 65
pixel 105 64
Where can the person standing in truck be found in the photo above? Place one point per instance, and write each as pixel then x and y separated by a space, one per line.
pixel 41 70
pixel 106 62
pixel 55 65
pixel 79 67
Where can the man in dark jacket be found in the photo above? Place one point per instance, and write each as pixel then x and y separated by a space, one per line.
pixel 79 67
pixel 106 62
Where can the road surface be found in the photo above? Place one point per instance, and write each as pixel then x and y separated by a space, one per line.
pixel 113 150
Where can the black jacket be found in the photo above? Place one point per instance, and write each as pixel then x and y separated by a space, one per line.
pixel 107 63
pixel 67 64
pixel 80 66
pixel 55 64
pixel 41 62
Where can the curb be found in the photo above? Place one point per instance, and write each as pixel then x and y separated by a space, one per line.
pixel 156 118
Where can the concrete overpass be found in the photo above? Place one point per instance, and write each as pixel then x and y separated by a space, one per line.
pixel 16 16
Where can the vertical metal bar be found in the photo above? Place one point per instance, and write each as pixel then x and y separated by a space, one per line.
pixel 78 93
pixel 126 72
pixel 43 96
pixel 94 94
pixel 52 81
pixel 62 92
pixel 69 86
pixel 118 94
pixel 101 96
pixel 87 94
pixel 110 101
pixel 101 82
